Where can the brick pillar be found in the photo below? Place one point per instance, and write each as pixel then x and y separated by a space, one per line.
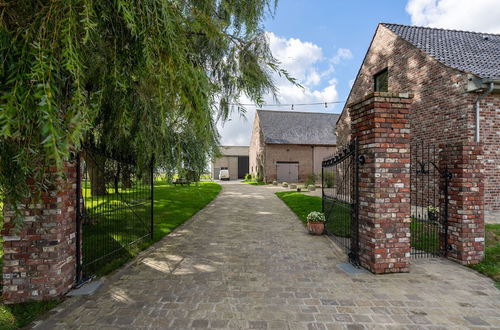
pixel 466 202
pixel 380 122
pixel 39 258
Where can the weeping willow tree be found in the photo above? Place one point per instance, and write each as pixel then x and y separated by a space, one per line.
pixel 138 76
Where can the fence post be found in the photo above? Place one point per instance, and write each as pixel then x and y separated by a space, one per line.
pixel 322 188
pixel 151 173
pixel 380 123
pixel 78 219
pixel 465 229
pixel 40 256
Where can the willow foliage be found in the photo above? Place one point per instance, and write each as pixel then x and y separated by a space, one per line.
pixel 137 76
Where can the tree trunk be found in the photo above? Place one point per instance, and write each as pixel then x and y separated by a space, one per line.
pixel 96 169
pixel 126 177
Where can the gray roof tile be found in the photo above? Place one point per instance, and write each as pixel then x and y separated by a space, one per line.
pixel 471 52
pixel 290 127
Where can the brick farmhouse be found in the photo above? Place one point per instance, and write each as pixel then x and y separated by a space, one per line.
pixel 289 146
pixel 454 77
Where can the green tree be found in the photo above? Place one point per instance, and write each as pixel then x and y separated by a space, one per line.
pixel 134 76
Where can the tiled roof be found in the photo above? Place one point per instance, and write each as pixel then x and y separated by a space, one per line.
pixel 290 127
pixel 471 52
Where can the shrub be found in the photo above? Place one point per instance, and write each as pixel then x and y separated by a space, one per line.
pixel 311 179
pixel 258 177
pixel 316 216
pixel 328 180
pixel 248 177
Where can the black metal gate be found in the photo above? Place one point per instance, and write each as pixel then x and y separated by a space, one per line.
pixel 429 178
pixel 340 196
pixel 114 209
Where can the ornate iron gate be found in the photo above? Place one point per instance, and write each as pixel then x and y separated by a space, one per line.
pixel 114 208
pixel 340 196
pixel 429 178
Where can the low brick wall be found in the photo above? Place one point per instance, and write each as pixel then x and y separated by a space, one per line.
pixel 39 258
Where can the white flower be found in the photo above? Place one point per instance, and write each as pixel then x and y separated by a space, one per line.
pixel 316 217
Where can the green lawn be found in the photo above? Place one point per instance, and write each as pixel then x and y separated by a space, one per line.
pixel 300 204
pixel 338 223
pixel 490 266
pixel 173 206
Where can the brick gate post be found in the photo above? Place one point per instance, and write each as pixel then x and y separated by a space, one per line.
pixel 381 124
pixel 466 202
pixel 39 258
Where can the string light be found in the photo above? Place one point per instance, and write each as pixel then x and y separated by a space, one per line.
pixel 290 105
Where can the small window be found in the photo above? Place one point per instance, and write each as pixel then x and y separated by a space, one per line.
pixel 382 81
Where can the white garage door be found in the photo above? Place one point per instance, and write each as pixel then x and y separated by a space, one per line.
pixel 287 172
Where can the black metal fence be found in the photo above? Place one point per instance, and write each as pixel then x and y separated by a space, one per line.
pixel 340 199
pixel 114 208
pixel 429 200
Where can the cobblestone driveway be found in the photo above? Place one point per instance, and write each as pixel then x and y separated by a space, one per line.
pixel 245 261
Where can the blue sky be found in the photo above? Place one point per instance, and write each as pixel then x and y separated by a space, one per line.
pixel 322 43
pixel 333 24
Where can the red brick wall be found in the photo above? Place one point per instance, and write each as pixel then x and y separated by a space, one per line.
pixel 380 123
pixel 39 259
pixel 490 135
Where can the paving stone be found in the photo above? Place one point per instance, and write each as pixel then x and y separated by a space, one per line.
pixel 474 320
pixel 200 323
pixel 257 324
pixel 247 258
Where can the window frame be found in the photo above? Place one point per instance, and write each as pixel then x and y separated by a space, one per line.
pixel 376 87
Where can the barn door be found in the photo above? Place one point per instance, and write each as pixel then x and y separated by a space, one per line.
pixel 287 171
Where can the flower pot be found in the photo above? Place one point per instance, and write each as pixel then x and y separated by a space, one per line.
pixel 315 227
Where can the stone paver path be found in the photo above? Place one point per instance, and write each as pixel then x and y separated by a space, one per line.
pixel 246 261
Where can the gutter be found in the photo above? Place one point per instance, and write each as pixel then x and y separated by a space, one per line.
pixel 478 109
pixel 486 86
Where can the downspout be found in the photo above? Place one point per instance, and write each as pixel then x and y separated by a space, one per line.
pixel 478 110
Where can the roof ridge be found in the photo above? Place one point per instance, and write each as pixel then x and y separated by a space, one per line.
pixel 442 29
pixel 304 112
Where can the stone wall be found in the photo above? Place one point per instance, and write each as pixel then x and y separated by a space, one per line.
pixel 39 259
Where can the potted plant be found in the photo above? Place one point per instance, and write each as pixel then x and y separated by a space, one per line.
pixel 432 213
pixel 316 223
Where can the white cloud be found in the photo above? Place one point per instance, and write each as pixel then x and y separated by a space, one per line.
pixel 304 61
pixel 469 15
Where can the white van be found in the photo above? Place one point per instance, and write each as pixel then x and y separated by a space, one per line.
pixel 224 175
